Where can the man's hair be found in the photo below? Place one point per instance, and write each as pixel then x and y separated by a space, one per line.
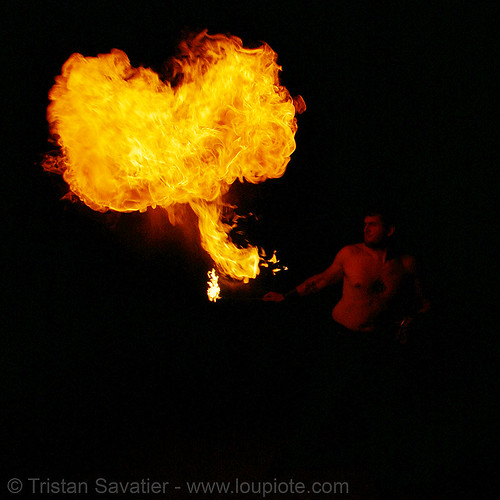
pixel 385 213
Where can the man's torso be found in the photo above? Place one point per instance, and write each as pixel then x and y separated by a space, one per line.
pixel 372 290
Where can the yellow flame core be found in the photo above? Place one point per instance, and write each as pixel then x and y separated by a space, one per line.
pixel 213 291
pixel 130 141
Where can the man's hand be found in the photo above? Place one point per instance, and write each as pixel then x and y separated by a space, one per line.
pixel 273 297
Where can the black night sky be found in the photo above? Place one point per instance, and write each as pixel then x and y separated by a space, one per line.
pixel 114 364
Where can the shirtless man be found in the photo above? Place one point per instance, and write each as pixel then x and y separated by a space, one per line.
pixel 381 288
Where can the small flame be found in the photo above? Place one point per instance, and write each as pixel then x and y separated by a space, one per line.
pixel 274 258
pixel 274 261
pixel 213 291
pixel 129 140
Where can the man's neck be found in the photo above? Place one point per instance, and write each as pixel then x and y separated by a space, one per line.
pixel 379 253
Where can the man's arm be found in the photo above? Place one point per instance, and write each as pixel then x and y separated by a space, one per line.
pixel 314 284
pixel 329 276
pixel 423 305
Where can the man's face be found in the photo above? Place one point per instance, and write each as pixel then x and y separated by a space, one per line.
pixel 375 232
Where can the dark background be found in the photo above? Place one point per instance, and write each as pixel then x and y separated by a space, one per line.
pixel 113 361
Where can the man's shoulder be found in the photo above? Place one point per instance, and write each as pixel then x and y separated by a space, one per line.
pixel 351 250
pixel 354 248
pixel 409 262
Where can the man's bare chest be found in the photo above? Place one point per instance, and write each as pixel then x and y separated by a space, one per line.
pixel 372 277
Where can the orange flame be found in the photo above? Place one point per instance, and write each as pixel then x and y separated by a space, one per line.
pixel 130 141
pixel 213 291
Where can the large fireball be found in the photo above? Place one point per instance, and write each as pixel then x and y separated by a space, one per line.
pixel 130 140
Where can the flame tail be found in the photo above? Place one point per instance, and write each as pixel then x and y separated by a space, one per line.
pixel 239 263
